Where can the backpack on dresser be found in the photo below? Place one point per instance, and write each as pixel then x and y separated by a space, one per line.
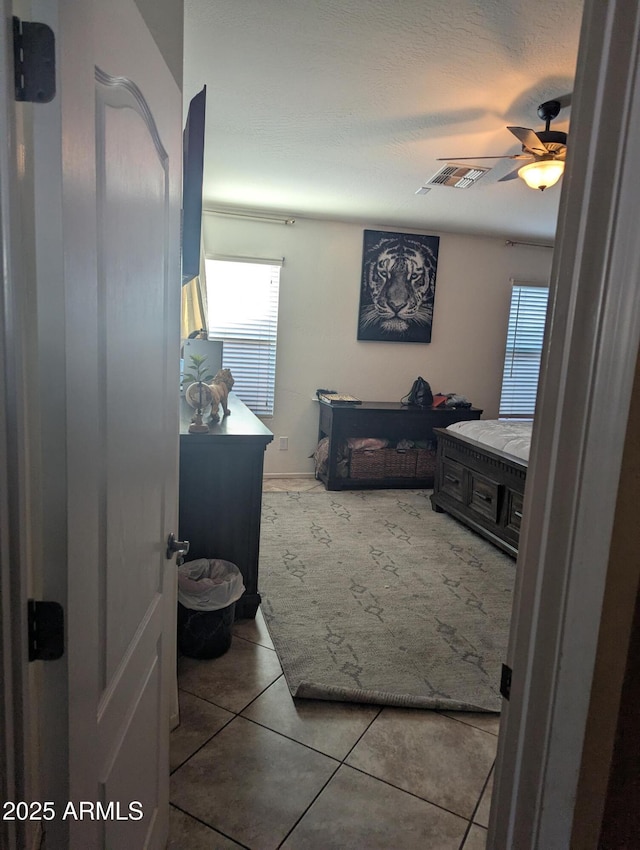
pixel 419 395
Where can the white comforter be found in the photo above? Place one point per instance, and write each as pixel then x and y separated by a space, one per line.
pixel 511 437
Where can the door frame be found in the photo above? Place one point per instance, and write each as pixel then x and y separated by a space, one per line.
pixel 587 375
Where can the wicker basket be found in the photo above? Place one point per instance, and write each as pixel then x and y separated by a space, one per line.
pixel 426 463
pixel 392 463
pixel 400 463
pixel 367 463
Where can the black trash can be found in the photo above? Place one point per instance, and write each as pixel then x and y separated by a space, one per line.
pixel 208 590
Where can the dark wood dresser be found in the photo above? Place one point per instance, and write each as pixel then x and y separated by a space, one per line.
pixel 386 419
pixel 221 493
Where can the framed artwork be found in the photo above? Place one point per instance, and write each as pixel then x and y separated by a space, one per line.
pixel 398 286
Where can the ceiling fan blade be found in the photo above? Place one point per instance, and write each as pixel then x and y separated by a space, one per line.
pixel 564 100
pixel 529 140
pixel 510 176
pixel 500 156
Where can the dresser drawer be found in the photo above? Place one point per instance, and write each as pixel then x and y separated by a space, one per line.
pixel 484 495
pixel 452 480
pixel 514 511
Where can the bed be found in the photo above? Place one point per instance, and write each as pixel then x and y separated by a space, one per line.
pixel 481 469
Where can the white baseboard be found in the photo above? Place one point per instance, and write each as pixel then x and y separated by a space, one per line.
pixel 288 475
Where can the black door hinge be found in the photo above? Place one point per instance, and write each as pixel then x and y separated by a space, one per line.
pixel 505 681
pixel 46 630
pixel 34 61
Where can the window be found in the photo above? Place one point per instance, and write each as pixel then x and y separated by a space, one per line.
pixel 525 336
pixel 242 297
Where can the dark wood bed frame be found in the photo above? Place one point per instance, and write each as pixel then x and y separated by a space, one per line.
pixel 480 486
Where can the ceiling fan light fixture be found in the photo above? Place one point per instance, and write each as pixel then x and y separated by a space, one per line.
pixel 542 174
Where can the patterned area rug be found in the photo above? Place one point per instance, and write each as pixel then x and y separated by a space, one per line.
pixel 370 596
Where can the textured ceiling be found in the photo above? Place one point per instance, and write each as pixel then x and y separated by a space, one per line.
pixel 340 110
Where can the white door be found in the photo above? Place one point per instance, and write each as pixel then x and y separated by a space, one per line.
pixel 107 172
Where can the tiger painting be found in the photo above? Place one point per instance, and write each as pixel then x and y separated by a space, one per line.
pixel 398 286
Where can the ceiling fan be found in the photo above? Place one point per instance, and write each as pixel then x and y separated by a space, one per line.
pixel 547 150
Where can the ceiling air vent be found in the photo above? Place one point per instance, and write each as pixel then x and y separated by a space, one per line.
pixel 457 176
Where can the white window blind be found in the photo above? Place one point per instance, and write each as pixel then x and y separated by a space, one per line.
pixel 242 296
pixel 525 336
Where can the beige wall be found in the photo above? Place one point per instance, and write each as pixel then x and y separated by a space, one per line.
pixel 319 296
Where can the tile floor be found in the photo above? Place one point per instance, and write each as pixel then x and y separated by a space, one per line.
pixel 253 768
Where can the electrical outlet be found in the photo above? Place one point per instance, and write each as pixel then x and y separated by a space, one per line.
pixel 284 444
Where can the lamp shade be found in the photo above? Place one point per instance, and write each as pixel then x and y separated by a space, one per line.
pixel 542 174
